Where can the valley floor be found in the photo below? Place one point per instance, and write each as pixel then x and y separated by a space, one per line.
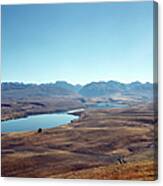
pixel 102 144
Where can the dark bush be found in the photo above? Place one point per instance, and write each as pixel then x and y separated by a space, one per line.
pixel 39 130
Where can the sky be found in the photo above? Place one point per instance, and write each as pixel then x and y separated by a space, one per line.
pixel 79 43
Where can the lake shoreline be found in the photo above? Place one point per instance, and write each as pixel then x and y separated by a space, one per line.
pixel 26 115
pixel 75 111
pixel 51 120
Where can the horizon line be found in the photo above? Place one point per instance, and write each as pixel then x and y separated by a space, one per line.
pixel 105 81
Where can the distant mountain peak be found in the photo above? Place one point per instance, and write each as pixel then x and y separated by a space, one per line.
pixel 136 83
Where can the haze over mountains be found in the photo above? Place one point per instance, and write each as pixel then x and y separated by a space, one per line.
pixel 63 88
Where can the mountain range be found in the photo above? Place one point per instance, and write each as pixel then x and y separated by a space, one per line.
pixel 63 88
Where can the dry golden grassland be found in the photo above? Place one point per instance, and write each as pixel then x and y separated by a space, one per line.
pixel 102 144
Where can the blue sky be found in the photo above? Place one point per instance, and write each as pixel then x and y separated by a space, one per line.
pixel 78 43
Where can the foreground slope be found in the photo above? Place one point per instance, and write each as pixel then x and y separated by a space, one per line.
pixel 102 144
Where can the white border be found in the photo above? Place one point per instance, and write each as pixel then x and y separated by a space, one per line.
pixel 56 182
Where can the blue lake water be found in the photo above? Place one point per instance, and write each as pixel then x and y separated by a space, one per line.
pixel 35 122
pixel 31 123
pixel 107 105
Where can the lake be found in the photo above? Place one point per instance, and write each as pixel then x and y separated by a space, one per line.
pixel 105 105
pixel 35 122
